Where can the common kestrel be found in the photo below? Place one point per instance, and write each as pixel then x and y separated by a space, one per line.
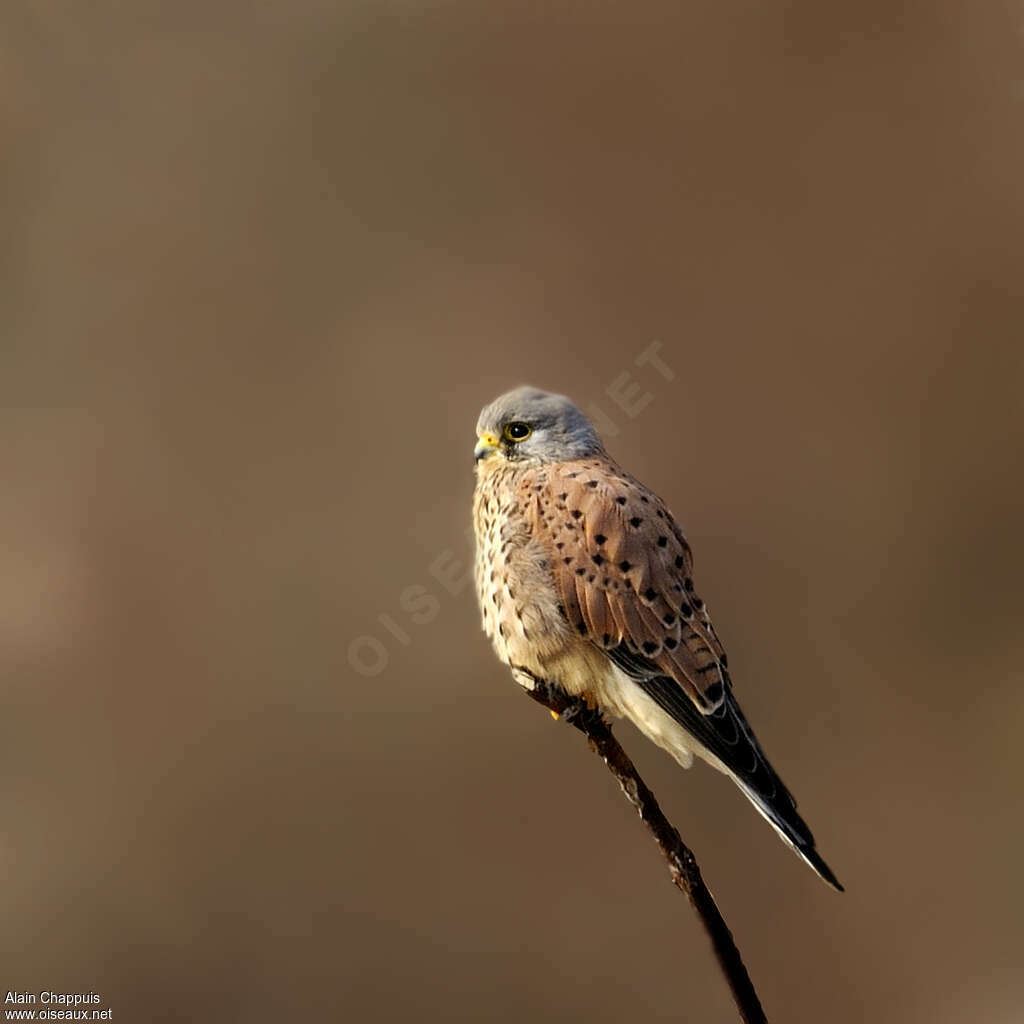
pixel 586 580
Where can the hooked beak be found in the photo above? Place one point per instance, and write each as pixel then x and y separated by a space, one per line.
pixel 487 444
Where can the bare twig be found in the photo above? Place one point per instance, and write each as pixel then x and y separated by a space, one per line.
pixel 682 865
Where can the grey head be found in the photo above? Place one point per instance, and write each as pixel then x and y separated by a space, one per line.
pixel 530 425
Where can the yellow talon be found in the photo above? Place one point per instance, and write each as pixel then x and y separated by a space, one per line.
pixel 554 715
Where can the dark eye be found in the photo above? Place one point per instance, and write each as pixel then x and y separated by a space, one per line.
pixel 517 431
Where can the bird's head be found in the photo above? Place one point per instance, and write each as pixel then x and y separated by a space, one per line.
pixel 530 425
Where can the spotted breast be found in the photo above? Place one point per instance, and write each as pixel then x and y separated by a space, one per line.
pixel 520 607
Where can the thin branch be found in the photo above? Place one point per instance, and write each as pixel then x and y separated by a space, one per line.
pixel 682 864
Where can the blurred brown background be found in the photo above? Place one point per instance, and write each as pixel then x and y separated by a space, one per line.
pixel 262 264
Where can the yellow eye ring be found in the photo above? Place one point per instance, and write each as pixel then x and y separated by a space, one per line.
pixel 516 431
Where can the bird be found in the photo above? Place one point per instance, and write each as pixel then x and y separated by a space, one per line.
pixel 585 580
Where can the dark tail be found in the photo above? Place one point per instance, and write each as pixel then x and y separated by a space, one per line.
pixel 725 734
pixel 791 827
